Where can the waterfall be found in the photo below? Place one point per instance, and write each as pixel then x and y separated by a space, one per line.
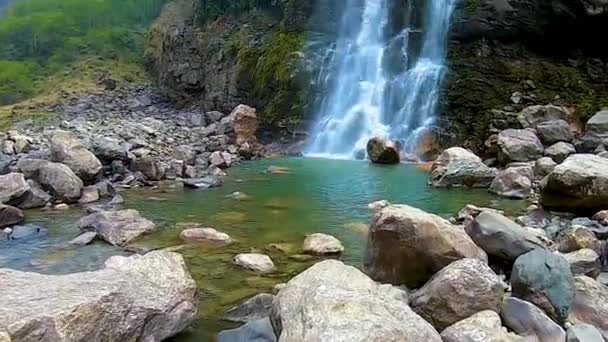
pixel 370 92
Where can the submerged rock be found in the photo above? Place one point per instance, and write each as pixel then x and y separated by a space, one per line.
pixel 382 151
pixel 259 263
pixel 407 246
pixel 320 244
pixel 199 234
pixel 529 321
pixel 83 239
pixel 203 183
pixel 332 302
pixel 254 308
pixel 117 227
pixel 139 298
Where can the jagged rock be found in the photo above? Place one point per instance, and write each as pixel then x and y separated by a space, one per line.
pixel 65 148
pixel 13 188
pixel 544 166
pixel 117 227
pixel 322 303
pixel 499 236
pixel 253 331
pixel 529 321
pixel 590 304
pixel 545 280
pixel 534 115
pixel 560 151
pixel 575 238
pixel 320 244
pixel 484 326
pixel 90 194
pixel 137 298
pixel 203 183
pixel 109 149
pixel 259 263
pixel 254 308
pixel 583 333
pixel 407 246
pixel 382 151
pixel 554 131
pixel 204 234
pixel 149 166
pixel 244 122
pixel 513 182
pixel 518 145
pixel 597 126
pixel 584 262
pixel 458 291
pixel 579 184
pixel 83 239
pixel 10 215
pixel 458 167
pixel 63 184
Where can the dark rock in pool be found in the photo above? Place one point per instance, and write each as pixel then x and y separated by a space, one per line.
pixel 203 183
pixel 254 331
pixel 254 308
pixel 382 151
pixel 27 231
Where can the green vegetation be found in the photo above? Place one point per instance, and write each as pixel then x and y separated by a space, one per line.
pixel 39 38
pixel 211 9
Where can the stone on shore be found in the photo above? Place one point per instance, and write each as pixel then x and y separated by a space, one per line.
pixel 89 194
pixel 601 217
pixel 457 167
pixel 579 184
pixel 332 302
pixel 321 244
pixel 499 236
pixel 13 188
pixel 244 122
pixel 255 262
pixel 458 291
pixel 554 131
pixel 518 145
pixel 583 333
pixel 36 197
pixel 407 246
pixel 513 182
pixel 560 151
pixel 597 126
pixel 10 215
pixel 117 227
pixel 544 166
pixel 545 280
pixel 137 298
pixel 109 149
pixel 575 238
pixel 382 151
pixel 58 179
pixel 590 304
pixel 65 148
pixel 484 326
pixel 529 321
pixel 532 116
pixel 584 262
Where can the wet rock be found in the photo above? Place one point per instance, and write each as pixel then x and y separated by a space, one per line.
pixel 544 166
pixel 554 131
pixel 10 215
pixel 545 280
pixel 203 183
pixel 584 262
pixel 590 304
pixel 484 326
pixel 254 308
pixel 575 238
pixel 90 194
pixel 204 234
pixel 458 291
pixel 583 333
pixel 65 148
pixel 13 188
pixel 579 184
pixel 382 151
pixel 253 331
pixel 560 151
pixel 259 263
pixel 529 321
pixel 83 239
pixel 322 303
pixel 117 227
pixel 321 244
pixel 27 231
pixel 519 145
pixel 139 298
pixel 407 246
pixel 63 184
pixel 457 167
pixel 499 236
pixel 513 182
pixel 116 200
pixel 110 149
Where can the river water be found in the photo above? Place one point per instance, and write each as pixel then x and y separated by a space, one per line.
pixel 316 195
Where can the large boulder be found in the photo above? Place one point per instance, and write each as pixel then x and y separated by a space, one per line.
pixel 513 182
pixel 545 280
pixel 529 321
pixel 590 304
pixel 117 227
pixel 579 184
pixel 584 262
pixel 597 126
pixel 13 188
pixel 457 167
pixel 109 149
pixel 407 246
pixel 382 151
pixel 58 179
pixel 575 238
pixel 65 148
pixel 458 291
pixel 484 326
pixel 137 298
pixel 532 116
pixel 149 167
pixel 501 237
pixel 332 302
pixel 518 145
pixel 583 333
pixel 10 215
pixel 36 197
pixel 554 131
pixel 560 151
pixel 244 122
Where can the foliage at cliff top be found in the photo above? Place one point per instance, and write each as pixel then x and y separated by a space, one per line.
pixel 41 37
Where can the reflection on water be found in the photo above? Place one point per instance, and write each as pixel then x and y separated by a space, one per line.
pixel 316 195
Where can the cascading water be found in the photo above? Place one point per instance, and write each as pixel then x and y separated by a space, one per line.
pixel 365 95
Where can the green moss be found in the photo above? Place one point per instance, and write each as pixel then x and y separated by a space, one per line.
pixel 471 6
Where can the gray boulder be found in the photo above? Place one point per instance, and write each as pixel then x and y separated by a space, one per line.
pixel 10 215
pixel 259 263
pixel 62 183
pixel 27 231
pixel 332 302
pixel 529 321
pixel 554 131
pixel 583 333
pixel 321 244
pixel 149 167
pixel 544 166
pixel 13 188
pixel 407 246
pixel 458 291
pixel 579 184
pixel 560 151
pixel 137 298
pixel 513 182
pixel 597 126
pixel 89 194
pixel 518 145
pixel 545 280
pixel 499 236
pixel 36 197
pixel 254 308
pixel 484 326
pixel 457 167
pixel 590 304
pixel 109 149
pixel 65 148
pixel 534 115
pixel 117 227
pixel 382 151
